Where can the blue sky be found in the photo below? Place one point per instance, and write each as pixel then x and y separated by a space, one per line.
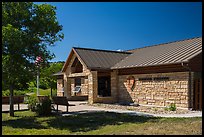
pixel 124 25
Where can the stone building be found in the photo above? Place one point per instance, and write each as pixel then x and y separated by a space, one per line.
pixel 156 75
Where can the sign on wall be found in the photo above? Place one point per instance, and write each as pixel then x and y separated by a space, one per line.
pixel 131 82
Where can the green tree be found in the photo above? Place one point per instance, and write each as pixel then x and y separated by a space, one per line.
pixel 27 30
pixel 47 80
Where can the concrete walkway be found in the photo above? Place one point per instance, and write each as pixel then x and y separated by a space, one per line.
pixel 82 107
pixel 5 108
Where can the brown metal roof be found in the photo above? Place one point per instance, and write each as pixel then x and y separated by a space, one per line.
pixel 99 59
pixel 168 53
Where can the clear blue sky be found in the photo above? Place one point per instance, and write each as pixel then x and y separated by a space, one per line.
pixel 124 25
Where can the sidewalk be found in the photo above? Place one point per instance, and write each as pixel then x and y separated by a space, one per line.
pixel 82 107
pixel 5 108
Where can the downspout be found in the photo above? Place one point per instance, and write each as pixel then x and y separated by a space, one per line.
pixel 190 84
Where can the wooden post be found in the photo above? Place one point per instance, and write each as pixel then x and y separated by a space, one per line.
pixel 18 106
pixel 18 100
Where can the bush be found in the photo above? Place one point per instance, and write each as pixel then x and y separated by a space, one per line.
pixel 166 108
pixel 5 93
pixel 44 108
pixel 172 107
pixel 32 101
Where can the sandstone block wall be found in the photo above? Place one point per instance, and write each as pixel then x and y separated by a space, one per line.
pixel 92 87
pixel 158 93
pixel 59 87
pixel 69 80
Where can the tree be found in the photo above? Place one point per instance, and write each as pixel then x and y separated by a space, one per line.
pixel 47 80
pixel 27 30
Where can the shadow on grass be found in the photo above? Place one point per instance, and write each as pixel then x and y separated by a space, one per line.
pixel 24 122
pixel 82 122
pixel 92 121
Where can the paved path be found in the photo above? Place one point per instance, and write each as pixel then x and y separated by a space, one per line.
pixel 5 108
pixel 82 107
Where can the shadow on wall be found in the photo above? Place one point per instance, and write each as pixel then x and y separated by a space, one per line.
pixel 125 90
pixel 155 89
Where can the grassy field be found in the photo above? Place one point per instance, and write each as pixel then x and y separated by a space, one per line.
pixel 45 92
pixel 103 123
pixel 32 92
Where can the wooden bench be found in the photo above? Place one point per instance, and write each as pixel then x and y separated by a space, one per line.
pixel 16 100
pixel 58 100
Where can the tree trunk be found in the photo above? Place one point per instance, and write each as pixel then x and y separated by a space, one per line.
pixel 11 110
pixel 51 91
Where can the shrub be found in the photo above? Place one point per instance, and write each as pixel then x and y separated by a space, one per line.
pixel 44 108
pixel 172 107
pixel 32 102
pixel 166 108
pixel 5 93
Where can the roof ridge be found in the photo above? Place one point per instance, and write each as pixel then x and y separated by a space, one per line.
pixel 125 52
pixel 163 43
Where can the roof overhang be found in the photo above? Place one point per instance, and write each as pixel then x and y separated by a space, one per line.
pixel 57 74
pixel 69 59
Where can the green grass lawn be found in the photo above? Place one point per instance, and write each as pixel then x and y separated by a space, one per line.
pixel 32 92
pixel 45 92
pixel 103 123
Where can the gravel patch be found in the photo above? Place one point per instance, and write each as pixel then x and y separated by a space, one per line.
pixel 146 109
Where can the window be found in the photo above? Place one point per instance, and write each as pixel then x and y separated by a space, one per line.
pixel 77 87
pixel 77 82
